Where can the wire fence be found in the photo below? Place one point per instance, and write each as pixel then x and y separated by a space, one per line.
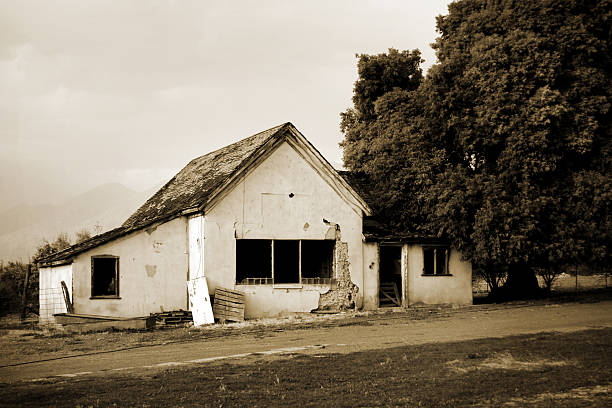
pixel 51 302
pixel 564 282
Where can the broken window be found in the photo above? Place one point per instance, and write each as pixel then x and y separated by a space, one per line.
pixel 253 261
pixel 260 262
pixel 317 261
pixel 435 261
pixel 104 276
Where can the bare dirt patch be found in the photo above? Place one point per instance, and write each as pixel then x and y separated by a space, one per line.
pixel 592 396
pixel 34 343
pixel 505 361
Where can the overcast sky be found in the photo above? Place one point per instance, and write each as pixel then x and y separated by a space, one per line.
pixel 93 92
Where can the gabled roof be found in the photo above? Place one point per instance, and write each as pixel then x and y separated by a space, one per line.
pixel 197 180
pixel 206 179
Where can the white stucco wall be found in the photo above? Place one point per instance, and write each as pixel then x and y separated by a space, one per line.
pixel 453 289
pixel 153 267
pixel 259 207
pixel 50 295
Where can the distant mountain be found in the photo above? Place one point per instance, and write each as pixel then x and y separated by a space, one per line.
pixel 23 228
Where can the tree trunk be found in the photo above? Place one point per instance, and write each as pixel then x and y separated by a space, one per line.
pixel 522 283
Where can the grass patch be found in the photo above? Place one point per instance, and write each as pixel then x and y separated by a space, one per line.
pixel 550 369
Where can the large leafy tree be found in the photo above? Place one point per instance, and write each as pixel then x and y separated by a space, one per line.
pixel 380 137
pixel 511 132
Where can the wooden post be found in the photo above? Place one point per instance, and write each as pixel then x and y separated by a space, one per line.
pixel 24 296
pixel 576 269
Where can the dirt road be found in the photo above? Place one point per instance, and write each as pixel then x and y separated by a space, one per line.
pixel 383 331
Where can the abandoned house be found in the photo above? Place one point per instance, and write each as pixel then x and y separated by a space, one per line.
pixel 267 216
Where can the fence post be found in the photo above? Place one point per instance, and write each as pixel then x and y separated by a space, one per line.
pixel 24 296
pixel 576 270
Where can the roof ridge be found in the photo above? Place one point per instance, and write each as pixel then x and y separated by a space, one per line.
pixel 277 127
pixel 199 178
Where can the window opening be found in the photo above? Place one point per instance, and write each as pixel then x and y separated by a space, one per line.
pixel 286 261
pixel 264 261
pixel 105 276
pixel 317 261
pixel 435 261
pixel 253 261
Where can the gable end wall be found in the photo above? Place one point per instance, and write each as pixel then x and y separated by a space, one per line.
pixel 259 207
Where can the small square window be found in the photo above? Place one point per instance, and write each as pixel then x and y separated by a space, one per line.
pixel 105 276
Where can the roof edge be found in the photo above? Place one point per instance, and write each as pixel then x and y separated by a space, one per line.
pixel 285 133
pixel 332 172
pixel 253 160
pixel 64 256
pixel 405 239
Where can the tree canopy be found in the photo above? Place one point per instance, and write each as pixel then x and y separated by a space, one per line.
pixel 62 241
pixel 504 147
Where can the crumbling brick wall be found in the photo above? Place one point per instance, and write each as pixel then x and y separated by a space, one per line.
pixel 342 296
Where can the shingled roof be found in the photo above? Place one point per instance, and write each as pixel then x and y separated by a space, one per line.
pixel 193 185
pixel 68 253
pixel 189 189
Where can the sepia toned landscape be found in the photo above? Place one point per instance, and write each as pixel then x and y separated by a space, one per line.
pixel 323 204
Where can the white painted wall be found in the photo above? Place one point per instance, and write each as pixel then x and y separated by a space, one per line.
pixel 50 295
pixel 417 288
pixel 432 289
pixel 153 268
pixel 259 207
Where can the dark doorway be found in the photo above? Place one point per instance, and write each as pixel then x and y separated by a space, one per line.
pixel 390 276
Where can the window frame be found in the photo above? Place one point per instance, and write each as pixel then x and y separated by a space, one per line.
pixel 116 277
pixel 271 281
pixel 436 248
